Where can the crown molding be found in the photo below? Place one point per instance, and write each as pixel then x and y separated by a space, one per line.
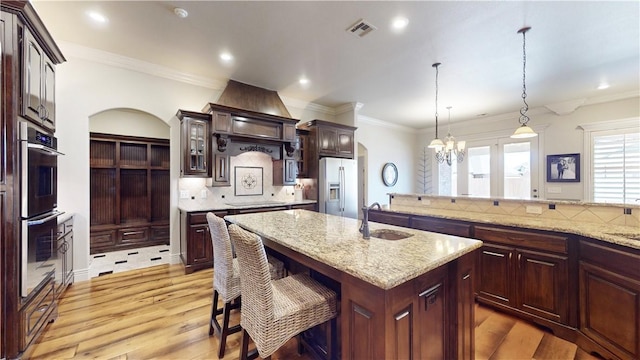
pixel 612 97
pixel 306 105
pixel 384 124
pixel 111 59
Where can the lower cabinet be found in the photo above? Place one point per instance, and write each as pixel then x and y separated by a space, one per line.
pixel 196 249
pixel 610 299
pixel 390 218
pixel 64 259
pixel 526 271
pixel 37 313
pixel 429 317
pixel 106 238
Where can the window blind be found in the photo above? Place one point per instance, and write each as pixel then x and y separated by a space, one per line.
pixel 616 168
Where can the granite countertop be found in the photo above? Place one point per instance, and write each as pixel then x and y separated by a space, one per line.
pixel 191 206
pixel 337 242
pixel 622 235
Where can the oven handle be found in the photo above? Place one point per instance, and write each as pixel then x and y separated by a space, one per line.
pixel 45 219
pixel 44 149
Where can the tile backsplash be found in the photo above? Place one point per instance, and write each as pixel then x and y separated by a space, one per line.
pixel 626 215
pixel 201 191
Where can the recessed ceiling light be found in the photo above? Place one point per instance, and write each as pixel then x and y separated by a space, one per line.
pixel 97 17
pixel 400 23
pixel 603 86
pixel 226 57
pixel 303 81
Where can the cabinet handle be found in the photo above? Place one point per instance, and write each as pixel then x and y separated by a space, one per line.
pixel 466 276
pixel 510 253
pixel 400 316
pixel 430 296
pixel 132 233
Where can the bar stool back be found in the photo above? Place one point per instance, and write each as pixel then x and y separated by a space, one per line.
pixel 274 311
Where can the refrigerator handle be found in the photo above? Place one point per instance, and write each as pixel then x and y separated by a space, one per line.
pixel 342 187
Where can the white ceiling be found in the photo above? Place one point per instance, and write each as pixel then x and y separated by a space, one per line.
pixel 571 48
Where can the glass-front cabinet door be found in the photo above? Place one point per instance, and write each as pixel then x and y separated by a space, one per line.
pixel 195 145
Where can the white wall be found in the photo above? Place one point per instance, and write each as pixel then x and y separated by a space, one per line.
pixel 90 83
pixel 562 134
pixel 129 122
pixel 387 143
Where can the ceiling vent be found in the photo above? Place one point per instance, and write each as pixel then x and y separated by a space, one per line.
pixel 361 28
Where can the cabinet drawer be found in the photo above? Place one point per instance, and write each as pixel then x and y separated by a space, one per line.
pixel 533 240
pixel 623 261
pixel 102 238
pixel 442 226
pixel 201 217
pixel 36 313
pixel 389 218
pixel 160 232
pixel 133 235
pixel 257 210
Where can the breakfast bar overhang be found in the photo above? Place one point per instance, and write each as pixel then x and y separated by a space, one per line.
pixel 411 298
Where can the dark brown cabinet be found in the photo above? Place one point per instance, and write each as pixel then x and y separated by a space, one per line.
pixel 221 171
pixel 301 153
pixel 285 172
pixel 443 226
pixel 130 197
pixel 386 217
pixel 196 249
pixel 326 139
pixel 38 83
pixel 195 139
pixel 64 260
pixel 28 62
pixel 609 279
pixel 527 271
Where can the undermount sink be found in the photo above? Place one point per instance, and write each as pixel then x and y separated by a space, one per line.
pixel 388 234
pixel 257 203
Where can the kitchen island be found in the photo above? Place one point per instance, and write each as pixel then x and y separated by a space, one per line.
pixel 399 299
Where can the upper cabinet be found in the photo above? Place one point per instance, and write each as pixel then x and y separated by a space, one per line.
pixel 38 83
pixel 195 140
pixel 324 139
pixel 330 139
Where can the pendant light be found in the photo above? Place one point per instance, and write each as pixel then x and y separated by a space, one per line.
pixel 524 131
pixel 436 143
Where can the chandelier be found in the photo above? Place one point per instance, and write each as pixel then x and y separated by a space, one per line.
pixel 447 150
pixel 451 148
pixel 524 131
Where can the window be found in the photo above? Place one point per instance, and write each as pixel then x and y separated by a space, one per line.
pixel 616 166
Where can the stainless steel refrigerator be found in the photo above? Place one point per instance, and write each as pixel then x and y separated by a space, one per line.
pixel 338 187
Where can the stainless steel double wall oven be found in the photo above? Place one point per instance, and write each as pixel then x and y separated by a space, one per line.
pixel 39 193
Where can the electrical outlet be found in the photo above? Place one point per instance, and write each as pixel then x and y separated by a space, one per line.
pixel 534 209
pixel 184 194
pixel 203 193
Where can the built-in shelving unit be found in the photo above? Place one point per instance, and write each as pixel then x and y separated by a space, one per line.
pixel 129 192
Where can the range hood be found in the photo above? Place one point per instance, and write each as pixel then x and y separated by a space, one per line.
pixel 252 98
pixel 246 114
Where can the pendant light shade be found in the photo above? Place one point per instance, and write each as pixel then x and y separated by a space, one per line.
pixel 524 131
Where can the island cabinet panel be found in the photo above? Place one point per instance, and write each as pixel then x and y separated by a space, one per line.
pixel 429 317
pixel 525 271
pixel 610 299
pixel 443 226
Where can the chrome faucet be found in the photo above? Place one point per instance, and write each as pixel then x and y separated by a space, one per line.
pixel 364 227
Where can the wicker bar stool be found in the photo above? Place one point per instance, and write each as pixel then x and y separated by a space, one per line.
pixel 274 311
pixel 226 280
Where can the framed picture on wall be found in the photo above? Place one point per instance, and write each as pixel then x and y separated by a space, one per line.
pixel 563 168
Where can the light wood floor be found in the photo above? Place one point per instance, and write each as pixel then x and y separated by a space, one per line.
pixel 161 313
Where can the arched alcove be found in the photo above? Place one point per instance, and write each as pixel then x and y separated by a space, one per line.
pixel 129 190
